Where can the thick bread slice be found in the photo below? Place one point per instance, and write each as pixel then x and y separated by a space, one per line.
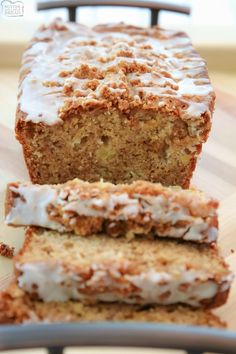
pixel 140 208
pixel 60 267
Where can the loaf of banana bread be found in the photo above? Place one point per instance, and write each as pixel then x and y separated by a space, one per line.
pixel 115 101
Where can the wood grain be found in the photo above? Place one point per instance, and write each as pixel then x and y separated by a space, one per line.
pixel 215 173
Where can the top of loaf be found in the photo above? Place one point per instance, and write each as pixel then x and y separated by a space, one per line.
pixel 69 67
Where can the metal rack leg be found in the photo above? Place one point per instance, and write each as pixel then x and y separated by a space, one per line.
pixel 154 17
pixel 55 350
pixel 72 13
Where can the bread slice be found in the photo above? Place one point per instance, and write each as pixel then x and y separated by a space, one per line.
pixel 139 208
pixel 60 267
pixel 16 307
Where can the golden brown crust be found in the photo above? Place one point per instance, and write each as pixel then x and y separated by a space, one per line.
pixel 218 300
pixel 9 200
pixel 22 129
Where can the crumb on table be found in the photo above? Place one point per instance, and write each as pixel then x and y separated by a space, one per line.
pixel 6 250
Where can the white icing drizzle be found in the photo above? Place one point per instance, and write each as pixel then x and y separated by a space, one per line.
pixel 52 282
pixel 32 201
pixel 30 208
pixel 174 69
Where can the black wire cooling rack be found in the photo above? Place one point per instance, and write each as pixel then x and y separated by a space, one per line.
pixel 56 337
pixel 155 6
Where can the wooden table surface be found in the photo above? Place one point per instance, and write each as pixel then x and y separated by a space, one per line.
pixel 215 173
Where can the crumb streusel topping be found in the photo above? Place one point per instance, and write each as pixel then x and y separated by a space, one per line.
pixel 70 67
pixel 6 250
pixel 53 282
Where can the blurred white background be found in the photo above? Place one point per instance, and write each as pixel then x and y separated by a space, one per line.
pixel 204 13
